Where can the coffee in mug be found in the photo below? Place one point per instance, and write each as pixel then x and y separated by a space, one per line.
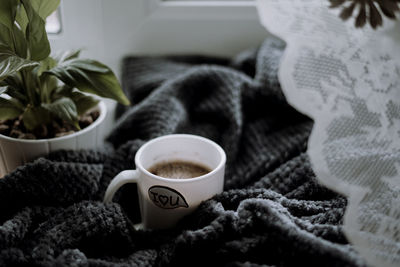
pixel 174 174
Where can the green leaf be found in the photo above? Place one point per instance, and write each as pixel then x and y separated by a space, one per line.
pixel 87 65
pixel 8 9
pixel 11 63
pixel 15 88
pixel 47 85
pixel 16 94
pixel 90 77
pixel 7 40
pixel 45 65
pixel 67 55
pixel 9 109
pixel 13 80
pixel 22 18
pixel 36 35
pixel 45 7
pixel 65 109
pixel 21 46
pixel 5 35
pixel 35 116
pixel 5 49
pixel 83 102
pixel 3 90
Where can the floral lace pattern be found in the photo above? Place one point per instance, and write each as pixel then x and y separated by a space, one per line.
pixel 348 80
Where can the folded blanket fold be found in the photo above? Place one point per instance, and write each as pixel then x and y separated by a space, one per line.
pixel 272 212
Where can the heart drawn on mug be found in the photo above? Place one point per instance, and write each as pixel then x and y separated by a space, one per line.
pixel 167 198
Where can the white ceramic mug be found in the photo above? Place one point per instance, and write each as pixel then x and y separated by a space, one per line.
pixel 164 201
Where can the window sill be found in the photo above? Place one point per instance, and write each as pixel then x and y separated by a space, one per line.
pixel 202 10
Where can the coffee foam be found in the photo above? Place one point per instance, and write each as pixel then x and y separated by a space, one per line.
pixel 179 169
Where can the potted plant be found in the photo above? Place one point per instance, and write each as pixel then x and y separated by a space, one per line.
pixel 46 102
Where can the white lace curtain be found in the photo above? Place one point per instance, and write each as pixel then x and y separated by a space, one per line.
pixel 347 80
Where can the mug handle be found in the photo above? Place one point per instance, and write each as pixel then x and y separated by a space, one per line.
pixel 124 177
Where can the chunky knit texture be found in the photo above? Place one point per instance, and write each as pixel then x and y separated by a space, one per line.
pixel 273 212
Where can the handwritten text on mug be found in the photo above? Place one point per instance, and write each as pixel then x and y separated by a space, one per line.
pixel 166 198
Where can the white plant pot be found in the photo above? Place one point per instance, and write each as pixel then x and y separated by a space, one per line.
pixel 15 152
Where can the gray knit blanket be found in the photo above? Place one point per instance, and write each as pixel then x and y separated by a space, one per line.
pixel 272 212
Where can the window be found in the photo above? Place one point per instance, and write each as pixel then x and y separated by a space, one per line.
pixel 53 22
pixel 113 29
pixel 205 0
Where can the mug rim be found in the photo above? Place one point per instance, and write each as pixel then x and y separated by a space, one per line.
pixel 220 165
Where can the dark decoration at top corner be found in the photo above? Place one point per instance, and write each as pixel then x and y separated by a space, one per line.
pixel 367 10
